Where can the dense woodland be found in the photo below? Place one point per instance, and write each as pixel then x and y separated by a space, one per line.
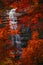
pixel 32 47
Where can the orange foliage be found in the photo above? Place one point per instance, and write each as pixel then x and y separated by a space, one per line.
pixel 33 53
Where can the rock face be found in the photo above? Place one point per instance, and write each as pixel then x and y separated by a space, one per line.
pixel 31 33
